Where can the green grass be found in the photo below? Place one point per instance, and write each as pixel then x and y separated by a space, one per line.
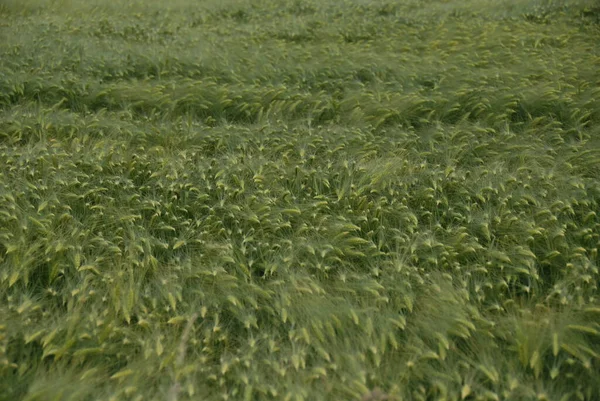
pixel 299 200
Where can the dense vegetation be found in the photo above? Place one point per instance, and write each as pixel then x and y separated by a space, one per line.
pixel 299 200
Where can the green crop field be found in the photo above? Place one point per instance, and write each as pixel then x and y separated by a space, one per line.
pixel 299 200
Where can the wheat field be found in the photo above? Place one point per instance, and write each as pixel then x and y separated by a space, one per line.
pixel 299 200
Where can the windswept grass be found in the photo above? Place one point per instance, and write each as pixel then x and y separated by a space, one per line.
pixel 299 200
